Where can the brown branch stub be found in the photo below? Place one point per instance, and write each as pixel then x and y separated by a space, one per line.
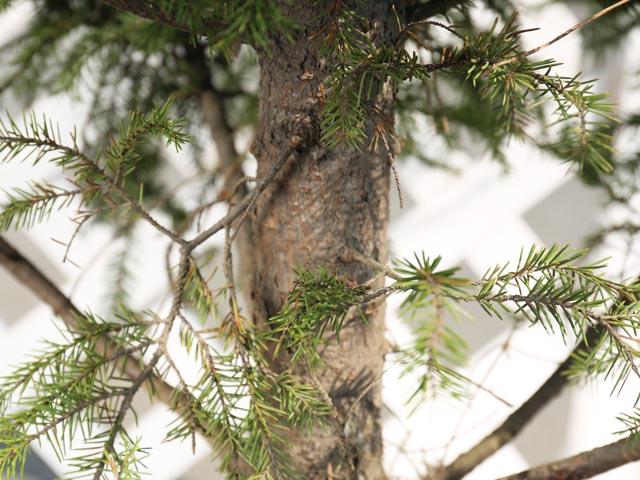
pixel 585 464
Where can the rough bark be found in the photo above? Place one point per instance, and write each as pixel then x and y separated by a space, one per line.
pixel 324 203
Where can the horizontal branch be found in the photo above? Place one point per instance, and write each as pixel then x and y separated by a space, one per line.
pixel 49 144
pixel 585 464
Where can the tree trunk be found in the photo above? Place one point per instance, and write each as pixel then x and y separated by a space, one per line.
pixel 323 204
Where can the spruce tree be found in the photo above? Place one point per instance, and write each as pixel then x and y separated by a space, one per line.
pixel 289 384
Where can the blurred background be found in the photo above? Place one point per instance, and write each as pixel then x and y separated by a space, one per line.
pixel 476 214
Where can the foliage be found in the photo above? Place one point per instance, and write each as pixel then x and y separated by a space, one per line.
pixel 547 287
pixel 492 61
pixel 100 184
pixel 70 389
pixel 318 303
pixel 437 348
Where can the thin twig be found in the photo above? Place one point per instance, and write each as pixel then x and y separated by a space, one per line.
pixel 249 200
pixel 392 164
pixel 503 349
pixel 490 392
pixel 125 406
pixel 147 372
pixel 80 224
pixel 227 262
pixel 190 400
pixel 578 25
pixel 606 321
pixel 53 424
pixel 405 30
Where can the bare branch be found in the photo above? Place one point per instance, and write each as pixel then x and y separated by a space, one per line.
pixel 585 464
pixel 372 262
pixel 214 113
pixel 514 424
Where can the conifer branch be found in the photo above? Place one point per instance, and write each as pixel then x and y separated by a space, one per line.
pixel 32 278
pixel 225 438
pixel 182 394
pixel 41 139
pixel 53 424
pixel 437 352
pixel 29 206
pixel 239 403
pixel 116 426
pixel 552 291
